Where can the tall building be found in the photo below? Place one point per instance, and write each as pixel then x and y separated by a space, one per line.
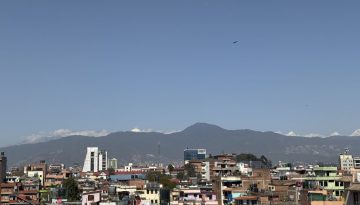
pixel 38 170
pixel 194 154
pixel 346 161
pixel 103 160
pixel 3 164
pixel 95 160
pixel 356 161
pixel 113 163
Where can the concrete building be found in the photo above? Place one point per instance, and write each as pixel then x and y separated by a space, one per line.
pixel 37 170
pixel 103 160
pixel 356 161
pixel 56 167
pixel 113 163
pixel 194 196
pixel 150 195
pixel 194 154
pixel 39 174
pixel 89 198
pixel 205 171
pixel 3 167
pixel 353 195
pixel 228 188
pixel 95 160
pixel 202 168
pixel 346 161
pixel 326 178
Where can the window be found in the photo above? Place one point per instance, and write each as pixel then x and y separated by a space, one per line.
pixel 147 191
pixel 325 183
pixel 90 197
pixel 152 191
pixel 156 191
pixel 155 201
pixel 152 201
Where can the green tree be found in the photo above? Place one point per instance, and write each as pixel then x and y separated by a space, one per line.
pixel 166 182
pixel 72 192
pixel 111 171
pixel 180 176
pixel 161 178
pixel 266 161
pixel 153 176
pixel 246 157
pixel 190 170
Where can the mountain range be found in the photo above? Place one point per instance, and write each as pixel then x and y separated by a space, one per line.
pixel 150 147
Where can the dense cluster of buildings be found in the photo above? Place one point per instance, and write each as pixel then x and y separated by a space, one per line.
pixel 203 180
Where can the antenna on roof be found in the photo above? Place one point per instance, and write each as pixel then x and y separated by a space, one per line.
pixel 347 150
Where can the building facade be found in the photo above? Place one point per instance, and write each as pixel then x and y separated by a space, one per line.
pixel 194 154
pixel 95 160
pixel 346 162
pixel 3 167
pixel 113 163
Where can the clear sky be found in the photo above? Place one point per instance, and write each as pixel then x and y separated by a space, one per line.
pixel 164 65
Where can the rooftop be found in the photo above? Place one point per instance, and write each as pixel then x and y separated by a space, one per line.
pixel 354 187
pixel 246 198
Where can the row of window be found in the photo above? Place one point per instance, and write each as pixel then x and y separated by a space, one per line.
pixel 325 183
pixel 338 193
pixel 148 191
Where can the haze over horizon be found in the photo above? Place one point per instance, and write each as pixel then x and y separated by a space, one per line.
pixel 60 133
pixel 90 66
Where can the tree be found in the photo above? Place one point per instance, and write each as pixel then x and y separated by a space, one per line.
pixel 190 170
pixel 72 192
pixel 180 176
pixel 161 178
pixel 246 157
pixel 111 171
pixel 265 161
pixel 153 176
pixel 166 182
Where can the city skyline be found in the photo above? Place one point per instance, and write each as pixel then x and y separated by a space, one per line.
pixel 161 66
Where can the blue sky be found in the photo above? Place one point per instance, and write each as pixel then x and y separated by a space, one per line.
pixel 164 65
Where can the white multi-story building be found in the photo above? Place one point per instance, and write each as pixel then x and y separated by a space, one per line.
pixel 113 163
pixel 356 161
pixel 95 160
pixel 103 160
pixel 346 162
pixel 150 195
pixel 205 170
